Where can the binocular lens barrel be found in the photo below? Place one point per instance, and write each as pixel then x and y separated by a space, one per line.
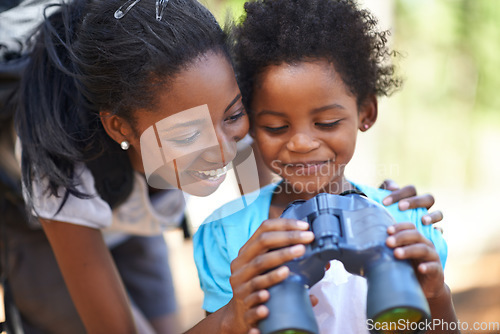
pixel 290 309
pixel 395 301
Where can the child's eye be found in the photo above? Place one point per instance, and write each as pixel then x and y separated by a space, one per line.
pixel 186 140
pixel 327 125
pixel 276 129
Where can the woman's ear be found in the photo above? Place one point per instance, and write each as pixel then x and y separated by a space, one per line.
pixel 116 127
pixel 368 112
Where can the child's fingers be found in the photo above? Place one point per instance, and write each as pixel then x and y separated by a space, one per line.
pixel 432 217
pixel 407 237
pixel 422 201
pixel 257 298
pixel 282 224
pixel 419 251
pixel 276 233
pixel 314 300
pixel 250 267
pixel 327 266
pixel 254 315
pixel 431 278
pixel 243 286
pixel 273 240
pixel 400 227
pixel 430 268
pixel 254 331
pixel 397 195
pixel 389 185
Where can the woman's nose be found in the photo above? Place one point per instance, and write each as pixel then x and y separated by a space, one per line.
pixel 223 153
pixel 302 143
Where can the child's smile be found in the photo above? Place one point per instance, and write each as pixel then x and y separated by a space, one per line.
pixel 305 123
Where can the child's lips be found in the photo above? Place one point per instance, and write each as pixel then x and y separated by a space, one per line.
pixel 306 163
pixel 308 167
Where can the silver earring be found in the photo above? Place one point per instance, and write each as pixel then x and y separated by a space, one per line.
pixel 125 145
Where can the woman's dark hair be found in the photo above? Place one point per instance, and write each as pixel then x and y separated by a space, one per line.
pixel 83 61
pixel 290 31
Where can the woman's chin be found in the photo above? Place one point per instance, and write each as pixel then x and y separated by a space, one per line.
pixel 200 185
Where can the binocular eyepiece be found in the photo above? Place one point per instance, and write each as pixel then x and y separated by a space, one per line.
pixel 353 230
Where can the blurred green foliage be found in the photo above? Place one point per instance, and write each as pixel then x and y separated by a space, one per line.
pixel 223 8
pixel 447 117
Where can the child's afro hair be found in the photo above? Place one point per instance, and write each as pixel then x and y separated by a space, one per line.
pixel 289 31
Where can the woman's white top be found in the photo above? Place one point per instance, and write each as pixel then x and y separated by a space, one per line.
pixel 140 214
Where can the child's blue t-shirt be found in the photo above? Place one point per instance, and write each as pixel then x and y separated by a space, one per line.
pixel 218 241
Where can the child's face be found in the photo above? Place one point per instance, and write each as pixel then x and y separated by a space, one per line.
pixel 305 122
pixel 192 137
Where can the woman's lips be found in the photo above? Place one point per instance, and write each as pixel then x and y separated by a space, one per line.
pixel 210 175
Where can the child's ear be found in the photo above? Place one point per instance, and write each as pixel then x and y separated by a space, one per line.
pixel 116 127
pixel 368 112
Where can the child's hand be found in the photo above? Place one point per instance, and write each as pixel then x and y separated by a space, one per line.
pixel 259 265
pixel 409 244
pixel 408 199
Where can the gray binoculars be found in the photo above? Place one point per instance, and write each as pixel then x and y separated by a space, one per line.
pixel 352 229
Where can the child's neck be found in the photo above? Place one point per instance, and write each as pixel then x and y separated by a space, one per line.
pixel 285 194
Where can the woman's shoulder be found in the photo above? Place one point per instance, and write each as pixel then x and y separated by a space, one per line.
pixel 91 211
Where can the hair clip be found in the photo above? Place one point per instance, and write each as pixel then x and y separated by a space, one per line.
pixel 125 8
pixel 160 7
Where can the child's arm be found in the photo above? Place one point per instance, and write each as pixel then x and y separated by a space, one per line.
pixel 409 244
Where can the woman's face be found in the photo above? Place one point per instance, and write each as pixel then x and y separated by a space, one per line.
pixel 191 138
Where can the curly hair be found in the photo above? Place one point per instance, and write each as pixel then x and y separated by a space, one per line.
pixel 290 31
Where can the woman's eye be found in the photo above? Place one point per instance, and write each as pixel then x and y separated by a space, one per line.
pixel 236 116
pixel 327 125
pixel 186 139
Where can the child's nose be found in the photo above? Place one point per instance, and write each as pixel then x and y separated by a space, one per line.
pixel 302 143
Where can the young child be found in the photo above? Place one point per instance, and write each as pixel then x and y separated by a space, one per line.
pixel 310 73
